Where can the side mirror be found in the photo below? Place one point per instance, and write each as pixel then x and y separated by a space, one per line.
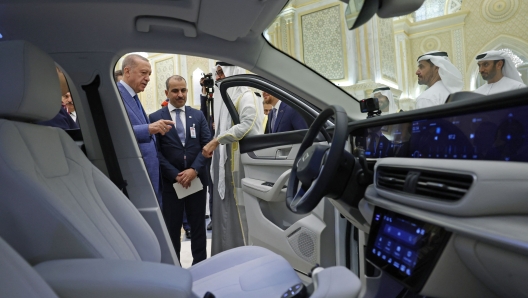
pixel 358 12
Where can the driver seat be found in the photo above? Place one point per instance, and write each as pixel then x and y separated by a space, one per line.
pixel 56 205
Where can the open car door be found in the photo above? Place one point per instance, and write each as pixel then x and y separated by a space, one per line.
pixel 261 169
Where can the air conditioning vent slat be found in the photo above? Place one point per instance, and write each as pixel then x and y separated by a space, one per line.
pixel 426 183
pixel 392 179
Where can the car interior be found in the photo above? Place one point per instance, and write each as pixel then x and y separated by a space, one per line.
pixel 417 203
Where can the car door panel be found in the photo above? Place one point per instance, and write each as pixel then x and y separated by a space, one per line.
pixel 267 160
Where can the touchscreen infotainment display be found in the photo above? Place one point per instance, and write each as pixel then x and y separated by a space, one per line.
pixel 492 135
pixel 405 247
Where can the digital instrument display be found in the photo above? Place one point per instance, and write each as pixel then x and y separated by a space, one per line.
pixel 404 247
pixel 491 135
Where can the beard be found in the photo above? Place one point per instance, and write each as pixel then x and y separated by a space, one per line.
pixel 489 75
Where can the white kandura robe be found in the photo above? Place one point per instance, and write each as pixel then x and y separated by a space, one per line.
pixel 433 96
pixel 502 85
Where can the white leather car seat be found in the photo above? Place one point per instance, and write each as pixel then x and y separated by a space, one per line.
pixel 55 204
pixel 18 279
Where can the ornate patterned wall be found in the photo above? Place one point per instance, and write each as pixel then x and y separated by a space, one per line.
pixel 193 63
pixel 164 69
pixel 493 18
pixel 387 49
pixel 322 41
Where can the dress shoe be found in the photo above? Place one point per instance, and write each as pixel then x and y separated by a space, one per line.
pixel 188 233
pixel 210 226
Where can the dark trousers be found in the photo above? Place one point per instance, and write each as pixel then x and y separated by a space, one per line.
pixel 194 206
pixel 186 225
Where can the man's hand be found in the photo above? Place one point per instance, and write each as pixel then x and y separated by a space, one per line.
pixel 160 126
pixel 185 177
pixel 208 149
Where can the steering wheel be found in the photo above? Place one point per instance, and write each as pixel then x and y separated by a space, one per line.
pixel 315 165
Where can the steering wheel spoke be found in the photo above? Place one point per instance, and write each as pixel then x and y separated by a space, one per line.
pixel 315 165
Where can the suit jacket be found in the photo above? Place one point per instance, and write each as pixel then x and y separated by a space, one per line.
pixel 287 120
pixel 146 142
pixel 61 120
pixel 173 156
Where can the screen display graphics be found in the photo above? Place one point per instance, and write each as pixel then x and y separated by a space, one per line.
pixel 490 135
pixel 404 247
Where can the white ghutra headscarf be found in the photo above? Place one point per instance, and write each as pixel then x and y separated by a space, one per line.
pixel 508 70
pixel 450 75
pixel 385 91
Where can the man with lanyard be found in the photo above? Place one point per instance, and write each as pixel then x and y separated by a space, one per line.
pixel 229 230
pixel 498 70
pixel 441 77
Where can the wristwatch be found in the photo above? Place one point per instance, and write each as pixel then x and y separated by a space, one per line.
pixel 195 171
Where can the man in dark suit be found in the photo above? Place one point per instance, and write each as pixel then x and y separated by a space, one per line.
pixel 282 117
pixel 62 119
pixel 136 75
pixel 181 162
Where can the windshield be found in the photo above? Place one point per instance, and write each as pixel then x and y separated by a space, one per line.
pixel 383 52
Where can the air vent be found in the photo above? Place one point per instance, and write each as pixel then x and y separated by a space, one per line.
pixel 445 186
pixel 393 178
pixel 438 185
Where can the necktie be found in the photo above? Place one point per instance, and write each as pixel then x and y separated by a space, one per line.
pixel 179 127
pixel 273 119
pixel 140 107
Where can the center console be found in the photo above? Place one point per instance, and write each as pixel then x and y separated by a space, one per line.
pixel 404 247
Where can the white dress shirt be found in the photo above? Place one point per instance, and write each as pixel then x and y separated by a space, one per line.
pixel 74 116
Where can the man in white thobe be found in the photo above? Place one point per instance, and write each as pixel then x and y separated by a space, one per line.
pixel 440 75
pixel 386 101
pixel 230 228
pixel 498 70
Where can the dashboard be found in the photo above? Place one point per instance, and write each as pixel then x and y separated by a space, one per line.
pixel 445 213
pixel 489 135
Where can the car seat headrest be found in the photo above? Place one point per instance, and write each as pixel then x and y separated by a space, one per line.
pixel 30 88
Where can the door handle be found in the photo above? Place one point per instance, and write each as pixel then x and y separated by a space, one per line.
pixel 282 153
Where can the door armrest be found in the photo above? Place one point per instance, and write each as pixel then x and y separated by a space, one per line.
pixel 275 193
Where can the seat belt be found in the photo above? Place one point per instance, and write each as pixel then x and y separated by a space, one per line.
pixel 103 134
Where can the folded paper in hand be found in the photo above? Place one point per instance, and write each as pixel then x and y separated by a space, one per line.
pixel 181 192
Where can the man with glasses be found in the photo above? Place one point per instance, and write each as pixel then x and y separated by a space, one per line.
pixel 136 75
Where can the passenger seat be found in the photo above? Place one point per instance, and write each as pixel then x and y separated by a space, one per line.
pixel 56 205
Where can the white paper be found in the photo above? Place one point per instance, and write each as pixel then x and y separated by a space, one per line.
pixel 196 186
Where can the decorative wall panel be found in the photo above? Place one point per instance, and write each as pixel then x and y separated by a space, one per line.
pixel 387 49
pixel 322 40
pixel 148 98
pixel 458 50
pixel 284 35
pixel 164 69
pixel 430 9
